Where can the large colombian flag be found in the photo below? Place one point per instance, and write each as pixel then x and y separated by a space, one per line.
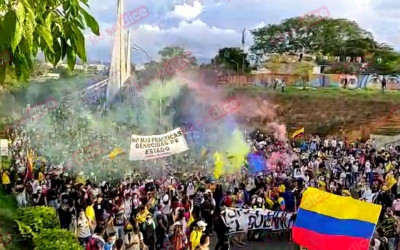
pixel 330 222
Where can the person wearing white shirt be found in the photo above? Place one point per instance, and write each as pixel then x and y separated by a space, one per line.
pixel 326 143
pixel 341 144
pixel 368 171
pixel 354 170
pixel 334 143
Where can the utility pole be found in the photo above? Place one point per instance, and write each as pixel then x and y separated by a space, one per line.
pixel 243 42
pixel 159 75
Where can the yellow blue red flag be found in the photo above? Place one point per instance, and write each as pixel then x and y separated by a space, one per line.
pixel 330 222
pixel 298 133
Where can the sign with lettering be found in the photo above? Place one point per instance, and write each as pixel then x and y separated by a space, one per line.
pixel 3 147
pixel 242 220
pixel 157 146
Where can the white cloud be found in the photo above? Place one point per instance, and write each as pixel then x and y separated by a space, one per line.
pixel 196 36
pixel 204 26
pixel 187 11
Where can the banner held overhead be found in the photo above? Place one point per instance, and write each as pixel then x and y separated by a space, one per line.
pixel 157 146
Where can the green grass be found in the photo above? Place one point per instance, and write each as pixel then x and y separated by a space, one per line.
pixel 326 92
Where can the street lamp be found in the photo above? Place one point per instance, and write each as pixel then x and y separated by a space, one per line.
pixel 136 47
pixel 237 69
pixel 237 65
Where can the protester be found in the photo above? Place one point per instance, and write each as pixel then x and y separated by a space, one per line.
pixel 83 228
pixel 204 243
pixel 133 238
pixel 97 242
pixel 383 85
pixel 184 210
pixel 149 232
pixel 196 234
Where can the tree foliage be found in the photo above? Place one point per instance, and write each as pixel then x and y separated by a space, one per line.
pixel 231 58
pixel 53 27
pixel 322 36
pixel 315 35
pixel 274 63
pixel 168 56
pixel 387 61
pixel 168 53
pixel 304 70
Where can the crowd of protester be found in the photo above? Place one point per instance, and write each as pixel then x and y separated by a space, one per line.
pixel 186 211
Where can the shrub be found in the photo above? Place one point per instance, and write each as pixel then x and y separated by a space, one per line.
pixel 59 239
pixel 31 220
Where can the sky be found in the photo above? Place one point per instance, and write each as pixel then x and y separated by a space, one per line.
pixel 204 26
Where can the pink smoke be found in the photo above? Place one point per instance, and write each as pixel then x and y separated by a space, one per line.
pixel 278 130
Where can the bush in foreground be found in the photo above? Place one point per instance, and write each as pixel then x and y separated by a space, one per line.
pixel 59 239
pixel 40 225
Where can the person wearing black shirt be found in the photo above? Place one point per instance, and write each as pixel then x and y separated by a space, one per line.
pixel 149 232
pixel 162 225
pixel 222 231
pixel 64 215
pixel 99 209
pixel 384 199
pixel 207 209
pixel 383 84
pixel 52 196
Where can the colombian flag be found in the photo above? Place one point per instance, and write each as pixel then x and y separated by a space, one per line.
pixel 30 155
pixel 298 133
pixel 330 222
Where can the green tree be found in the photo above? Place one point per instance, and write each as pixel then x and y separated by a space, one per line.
pixel 312 35
pixel 274 63
pixel 387 61
pixel 304 70
pixel 167 60
pixel 53 27
pixel 231 59
pixel 168 53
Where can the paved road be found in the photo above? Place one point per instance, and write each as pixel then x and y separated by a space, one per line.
pixel 269 245
pixel 266 244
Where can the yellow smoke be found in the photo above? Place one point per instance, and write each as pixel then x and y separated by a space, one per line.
pixel 219 169
pixel 236 150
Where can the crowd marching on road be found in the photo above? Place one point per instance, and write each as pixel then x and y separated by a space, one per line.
pixel 183 212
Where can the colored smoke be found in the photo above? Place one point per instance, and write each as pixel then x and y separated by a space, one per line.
pixel 256 162
pixel 219 168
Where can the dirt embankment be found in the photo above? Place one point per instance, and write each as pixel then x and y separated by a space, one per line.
pixel 354 118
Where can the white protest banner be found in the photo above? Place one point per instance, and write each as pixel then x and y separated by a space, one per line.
pixel 242 220
pixel 157 146
pixel 3 147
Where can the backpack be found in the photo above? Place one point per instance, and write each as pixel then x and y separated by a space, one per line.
pixel 92 244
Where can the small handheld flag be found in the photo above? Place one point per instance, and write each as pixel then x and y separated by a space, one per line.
pixel 115 152
pixel 298 133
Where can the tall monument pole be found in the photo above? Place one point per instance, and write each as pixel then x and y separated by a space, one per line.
pixel 118 68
